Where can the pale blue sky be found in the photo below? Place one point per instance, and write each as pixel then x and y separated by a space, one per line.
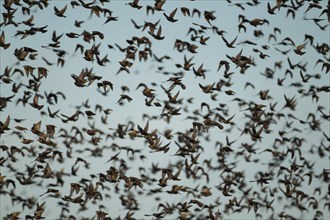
pixel 117 32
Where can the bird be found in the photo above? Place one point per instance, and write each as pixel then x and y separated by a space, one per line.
pixel 123 97
pixel 3 40
pixel 185 11
pixel 231 44
pixel 299 48
pixel 157 36
pixel 207 88
pixel 209 16
pixel 35 103
pixel 170 17
pixel 80 80
pixel 106 86
pixel 60 12
pixel 135 4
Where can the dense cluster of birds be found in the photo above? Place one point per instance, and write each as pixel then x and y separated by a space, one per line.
pixel 245 137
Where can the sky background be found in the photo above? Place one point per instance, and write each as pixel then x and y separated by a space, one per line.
pixel 149 73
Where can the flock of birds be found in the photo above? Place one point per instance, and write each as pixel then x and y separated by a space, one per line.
pixel 193 146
